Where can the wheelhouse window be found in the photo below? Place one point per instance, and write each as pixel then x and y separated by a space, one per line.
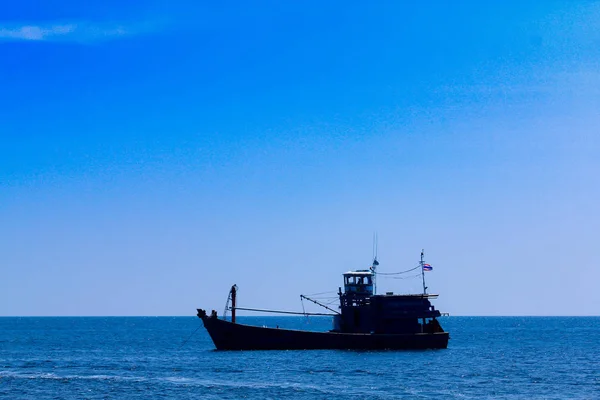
pixel 358 280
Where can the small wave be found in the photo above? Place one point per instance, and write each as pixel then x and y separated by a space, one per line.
pixel 177 379
pixel 228 370
pixel 212 384
pixel 30 364
pixel 277 390
pixel 53 376
pixel 320 371
pixel 365 372
pixel 207 384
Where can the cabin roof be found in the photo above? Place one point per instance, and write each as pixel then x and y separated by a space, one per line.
pixel 415 295
pixel 361 272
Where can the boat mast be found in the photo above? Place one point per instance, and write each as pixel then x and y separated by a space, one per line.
pixel 423 271
pixel 233 293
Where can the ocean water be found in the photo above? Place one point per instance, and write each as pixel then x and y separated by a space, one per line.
pixel 149 358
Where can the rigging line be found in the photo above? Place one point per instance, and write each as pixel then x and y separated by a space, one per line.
pixel 325 297
pixel 317 294
pixel 405 277
pixel 280 312
pixel 329 301
pixel 302 302
pixel 316 302
pixel 227 303
pixel 303 310
pixel 398 273
pixel 186 340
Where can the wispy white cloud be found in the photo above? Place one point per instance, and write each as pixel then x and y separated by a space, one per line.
pixel 67 32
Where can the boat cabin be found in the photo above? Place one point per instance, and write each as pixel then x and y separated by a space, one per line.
pixel 363 311
pixel 360 282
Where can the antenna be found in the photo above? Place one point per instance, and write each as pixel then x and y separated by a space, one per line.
pixel 375 263
pixel 376 244
pixel 423 271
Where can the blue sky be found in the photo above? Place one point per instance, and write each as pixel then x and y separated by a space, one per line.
pixel 153 153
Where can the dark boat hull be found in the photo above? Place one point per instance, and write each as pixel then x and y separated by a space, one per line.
pixel 230 336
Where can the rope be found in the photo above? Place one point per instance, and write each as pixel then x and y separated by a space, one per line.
pixel 186 340
pixel 303 310
pixel 317 294
pixel 404 277
pixel 326 298
pixel 399 273
pixel 280 312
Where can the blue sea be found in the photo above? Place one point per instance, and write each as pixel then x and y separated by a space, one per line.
pixel 174 358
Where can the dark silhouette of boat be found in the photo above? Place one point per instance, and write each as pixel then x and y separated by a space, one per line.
pixel 365 320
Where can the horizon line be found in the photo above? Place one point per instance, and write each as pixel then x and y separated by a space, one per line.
pixel 288 316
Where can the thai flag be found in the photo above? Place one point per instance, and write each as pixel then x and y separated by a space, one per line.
pixel 427 267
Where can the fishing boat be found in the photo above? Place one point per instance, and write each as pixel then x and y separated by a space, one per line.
pixel 364 320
